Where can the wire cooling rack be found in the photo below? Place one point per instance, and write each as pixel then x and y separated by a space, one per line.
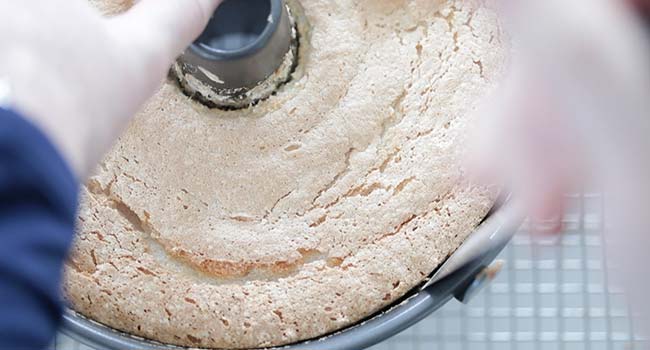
pixel 549 295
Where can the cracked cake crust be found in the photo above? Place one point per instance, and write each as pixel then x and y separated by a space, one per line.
pixel 308 212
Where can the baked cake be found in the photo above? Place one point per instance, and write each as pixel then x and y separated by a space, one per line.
pixel 307 212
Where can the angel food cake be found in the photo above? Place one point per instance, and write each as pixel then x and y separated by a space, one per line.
pixel 307 212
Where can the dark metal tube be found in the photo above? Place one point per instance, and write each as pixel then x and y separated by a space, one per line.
pixel 244 44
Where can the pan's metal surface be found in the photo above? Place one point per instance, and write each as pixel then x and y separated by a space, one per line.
pixel 484 241
pixel 249 49
pixel 239 54
pixel 414 307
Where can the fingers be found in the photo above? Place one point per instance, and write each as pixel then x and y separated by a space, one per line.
pixel 154 32
pixel 524 143
pixel 547 211
pixel 171 24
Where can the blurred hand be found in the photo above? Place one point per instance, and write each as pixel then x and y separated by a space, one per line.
pixel 81 77
pixel 574 106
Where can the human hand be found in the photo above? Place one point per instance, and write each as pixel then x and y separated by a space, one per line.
pixel 576 108
pixel 80 77
pixel 573 107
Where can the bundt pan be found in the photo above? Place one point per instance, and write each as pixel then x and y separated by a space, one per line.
pixel 234 75
pixel 460 277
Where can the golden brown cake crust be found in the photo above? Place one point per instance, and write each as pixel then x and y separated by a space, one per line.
pixel 303 214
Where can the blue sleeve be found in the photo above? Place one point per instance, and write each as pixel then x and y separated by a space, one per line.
pixel 38 199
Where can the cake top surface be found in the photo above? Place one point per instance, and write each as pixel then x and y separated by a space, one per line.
pixel 307 212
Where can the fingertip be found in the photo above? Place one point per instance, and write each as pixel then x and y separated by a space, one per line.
pixel 153 33
pixel 547 215
pixel 543 228
pixel 166 26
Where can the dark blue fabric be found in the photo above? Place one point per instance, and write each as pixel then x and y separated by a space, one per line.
pixel 38 200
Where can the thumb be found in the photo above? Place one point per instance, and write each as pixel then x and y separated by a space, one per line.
pixel 154 32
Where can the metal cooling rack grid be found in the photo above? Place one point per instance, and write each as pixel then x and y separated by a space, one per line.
pixel 549 295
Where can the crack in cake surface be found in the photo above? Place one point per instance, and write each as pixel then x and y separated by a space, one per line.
pixel 323 204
